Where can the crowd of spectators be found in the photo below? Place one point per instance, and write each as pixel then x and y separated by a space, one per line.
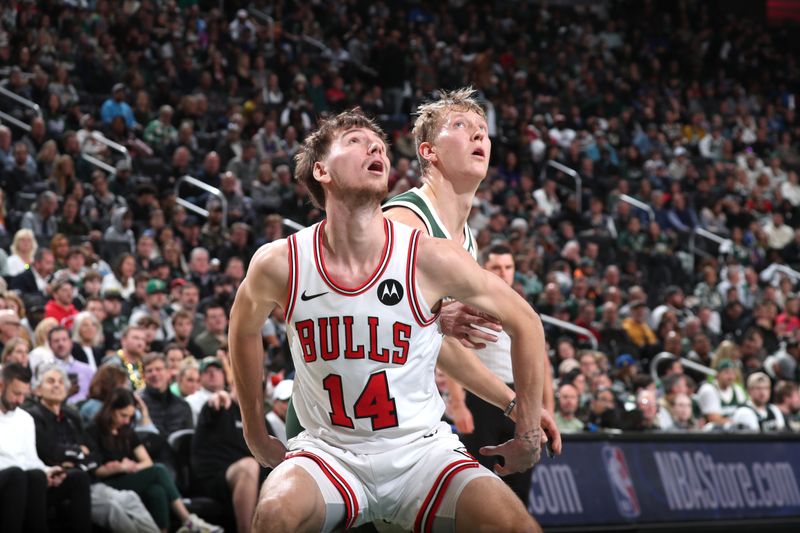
pixel 675 119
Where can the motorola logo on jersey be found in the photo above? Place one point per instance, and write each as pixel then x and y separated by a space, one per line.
pixel 390 292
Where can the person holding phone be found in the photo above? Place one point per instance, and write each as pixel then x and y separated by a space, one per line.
pixel 27 485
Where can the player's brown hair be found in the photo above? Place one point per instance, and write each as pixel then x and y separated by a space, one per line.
pixel 430 116
pixel 317 144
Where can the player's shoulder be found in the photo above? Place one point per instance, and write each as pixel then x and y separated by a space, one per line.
pixel 404 215
pixel 440 253
pixel 270 257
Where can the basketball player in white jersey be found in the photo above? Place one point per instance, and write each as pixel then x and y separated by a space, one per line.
pixel 361 294
pixel 453 149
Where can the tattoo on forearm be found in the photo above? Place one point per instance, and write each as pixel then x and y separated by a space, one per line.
pixel 532 438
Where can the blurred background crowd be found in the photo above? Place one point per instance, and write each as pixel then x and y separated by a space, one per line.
pixel 680 244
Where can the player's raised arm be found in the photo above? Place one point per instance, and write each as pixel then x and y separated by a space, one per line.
pixel 445 269
pixel 263 288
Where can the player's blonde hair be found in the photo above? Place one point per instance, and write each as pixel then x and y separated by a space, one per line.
pixel 316 146
pixel 430 116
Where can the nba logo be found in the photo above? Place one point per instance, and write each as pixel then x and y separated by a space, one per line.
pixel 621 483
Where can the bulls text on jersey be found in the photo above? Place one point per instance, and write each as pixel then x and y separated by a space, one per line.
pixel 329 338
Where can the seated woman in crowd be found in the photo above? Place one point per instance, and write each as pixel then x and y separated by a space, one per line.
pixel 22 249
pixel 125 463
pixel 16 351
pixel 87 338
pixel 187 381
pixel 103 383
pixel 41 352
pixel 62 441
pixel 14 302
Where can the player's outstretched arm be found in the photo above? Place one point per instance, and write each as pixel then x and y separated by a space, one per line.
pixel 445 269
pixel 261 291
pixel 455 319
pixel 466 371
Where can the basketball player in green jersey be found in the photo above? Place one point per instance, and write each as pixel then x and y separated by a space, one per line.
pixel 453 148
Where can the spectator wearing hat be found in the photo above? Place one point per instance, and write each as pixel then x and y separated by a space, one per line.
pixel 276 418
pixel 168 412
pixel 720 398
pixel 213 235
pixel 117 106
pixel 625 370
pixel 155 306
pixel 757 414
pixel 212 382
pixel 114 322
pixel 60 306
pixel 89 139
pixel 122 182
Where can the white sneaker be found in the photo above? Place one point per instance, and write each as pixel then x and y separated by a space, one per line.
pixel 195 524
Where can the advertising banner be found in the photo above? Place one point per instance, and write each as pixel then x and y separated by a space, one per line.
pixel 601 482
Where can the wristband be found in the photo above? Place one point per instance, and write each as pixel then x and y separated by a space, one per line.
pixel 510 408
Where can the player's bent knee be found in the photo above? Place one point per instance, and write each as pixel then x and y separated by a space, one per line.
pixel 487 504
pixel 290 502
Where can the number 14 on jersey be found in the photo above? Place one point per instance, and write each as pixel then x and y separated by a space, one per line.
pixel 374 402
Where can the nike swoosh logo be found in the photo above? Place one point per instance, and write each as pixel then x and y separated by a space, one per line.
pixel 306 297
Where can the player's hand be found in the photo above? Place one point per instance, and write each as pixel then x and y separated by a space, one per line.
pixel 457 320
pixel 461 416
pixel 550 432
pixel 267 450
pixel 519 454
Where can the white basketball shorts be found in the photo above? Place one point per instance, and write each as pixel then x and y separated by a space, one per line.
pixel 415 487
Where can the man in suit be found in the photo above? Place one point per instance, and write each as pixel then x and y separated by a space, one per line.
pixel 33 281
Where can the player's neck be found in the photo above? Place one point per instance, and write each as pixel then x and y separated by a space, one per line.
pixel 452 200
pixel 353 239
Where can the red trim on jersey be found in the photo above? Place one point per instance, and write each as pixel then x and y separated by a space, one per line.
pixel 386 255
pixel 427 513
pixel 291 295
pixel 345 490
pixel 411 283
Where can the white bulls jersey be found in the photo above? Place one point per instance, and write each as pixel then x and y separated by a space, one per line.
pixel 364 357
